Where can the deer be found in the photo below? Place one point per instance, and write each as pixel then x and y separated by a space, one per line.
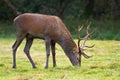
pixel 52 30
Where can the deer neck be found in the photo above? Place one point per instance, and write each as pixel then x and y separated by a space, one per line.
pixel 67 44
pixel 70 49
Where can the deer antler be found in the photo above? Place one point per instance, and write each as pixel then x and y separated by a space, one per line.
pixel 88 35
pixel 79 39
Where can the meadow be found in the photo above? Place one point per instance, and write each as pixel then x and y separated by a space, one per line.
pixel 104 65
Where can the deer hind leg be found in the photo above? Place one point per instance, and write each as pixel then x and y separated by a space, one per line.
pixel 15 46
pixel 47 43
pixel 53 53
pixel 28 44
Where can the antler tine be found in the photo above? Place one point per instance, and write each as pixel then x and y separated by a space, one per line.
pixel 79 38
pixel 87 34
pixel 86 56
pixel 90 46
pixel 79 29
pixel 92 32
pixel 87 27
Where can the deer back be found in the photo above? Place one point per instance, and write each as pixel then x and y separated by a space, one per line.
pixel 38 25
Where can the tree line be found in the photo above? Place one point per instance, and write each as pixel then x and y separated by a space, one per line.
pixel 97 9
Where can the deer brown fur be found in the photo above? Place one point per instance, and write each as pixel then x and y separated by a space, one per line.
pixel 47 27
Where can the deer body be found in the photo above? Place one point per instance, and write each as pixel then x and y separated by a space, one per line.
pixel 49 28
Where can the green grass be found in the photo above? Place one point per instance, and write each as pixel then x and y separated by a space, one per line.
pixel 104 65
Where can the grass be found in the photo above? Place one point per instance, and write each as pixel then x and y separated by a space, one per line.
pixel 104 65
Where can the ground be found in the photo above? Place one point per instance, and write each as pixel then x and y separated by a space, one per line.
pixel 104 65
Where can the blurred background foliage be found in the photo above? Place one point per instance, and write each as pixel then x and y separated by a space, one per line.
pixel 103 14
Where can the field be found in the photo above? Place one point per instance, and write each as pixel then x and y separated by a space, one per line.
pixel 104 65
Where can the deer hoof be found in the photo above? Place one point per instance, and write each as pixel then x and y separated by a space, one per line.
pixel 34 67
pixel 46 67
pixel 14 67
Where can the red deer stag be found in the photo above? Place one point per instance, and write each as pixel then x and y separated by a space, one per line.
pixel 52 30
